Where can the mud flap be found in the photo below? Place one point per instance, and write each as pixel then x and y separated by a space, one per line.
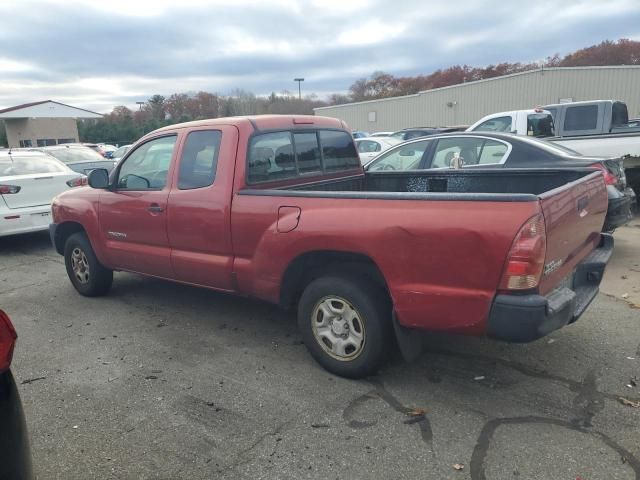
pixel 409 340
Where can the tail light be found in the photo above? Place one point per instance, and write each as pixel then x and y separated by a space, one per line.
pixel 525 262
pixel 9 189
pixel 7 341
pixel 609 178
pixel 77 182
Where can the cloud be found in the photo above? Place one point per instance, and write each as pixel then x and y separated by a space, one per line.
pixel 99 54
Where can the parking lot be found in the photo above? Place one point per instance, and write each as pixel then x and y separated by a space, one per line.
pixel 159 380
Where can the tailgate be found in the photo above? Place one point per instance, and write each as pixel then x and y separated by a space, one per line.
pixel 573 215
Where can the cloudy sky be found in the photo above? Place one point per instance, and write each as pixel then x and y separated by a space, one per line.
pixel 97 54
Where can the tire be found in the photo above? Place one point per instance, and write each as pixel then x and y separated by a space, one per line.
pixel 90 278
pixel 345 322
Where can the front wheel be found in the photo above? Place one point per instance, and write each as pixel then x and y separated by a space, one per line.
pixel 89 277
pixel 345 324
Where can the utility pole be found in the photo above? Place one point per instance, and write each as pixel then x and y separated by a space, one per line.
pixel 299 80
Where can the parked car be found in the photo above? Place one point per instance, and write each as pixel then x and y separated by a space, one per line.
pixel 596 128
pixel 28 183
pixel 292 219
pixel 120 152
pixel 381 134
pixel 359 134
pixel 409 133
pixel 15 452
pixel 495 150
pixel 535 122
pixel 78 157
pixel 369 147
pixel 106 150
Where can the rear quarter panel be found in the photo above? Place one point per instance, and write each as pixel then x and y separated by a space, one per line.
pixel 442 260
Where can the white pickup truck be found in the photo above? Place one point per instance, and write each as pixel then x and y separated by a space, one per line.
pixel 594 128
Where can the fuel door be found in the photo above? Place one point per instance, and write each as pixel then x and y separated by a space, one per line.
pixel 288 218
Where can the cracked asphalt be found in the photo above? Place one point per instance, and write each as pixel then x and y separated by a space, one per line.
pixel 159 380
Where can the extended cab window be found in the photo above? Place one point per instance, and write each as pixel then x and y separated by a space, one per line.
pixel 582 117
pixel 199 159
pixel 500 124
pixel 282 155
pixel 146 168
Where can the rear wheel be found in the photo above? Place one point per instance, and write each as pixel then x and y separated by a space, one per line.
pixel 89 277
pixel 345 324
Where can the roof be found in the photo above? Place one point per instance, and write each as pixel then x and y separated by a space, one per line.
pixel 262 122
pixel 19 152
pixel 492 79
pixel 47 109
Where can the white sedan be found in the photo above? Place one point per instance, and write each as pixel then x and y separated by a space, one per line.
pixel 369 148
pixel 28 183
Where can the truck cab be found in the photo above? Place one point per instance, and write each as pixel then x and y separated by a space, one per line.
pixel 534 122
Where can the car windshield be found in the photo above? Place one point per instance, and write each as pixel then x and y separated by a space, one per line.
pixel 15 165
pixel 75 154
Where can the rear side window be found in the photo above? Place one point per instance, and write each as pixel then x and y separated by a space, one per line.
pixel 583 117
pixel 29 165
pixel 199 159
pixel 283 155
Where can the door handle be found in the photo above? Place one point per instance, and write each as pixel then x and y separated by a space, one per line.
pixel 155 208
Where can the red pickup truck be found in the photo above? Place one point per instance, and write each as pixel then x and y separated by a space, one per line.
pixel 279 208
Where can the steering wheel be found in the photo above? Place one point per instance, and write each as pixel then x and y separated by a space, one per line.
pixel 387 166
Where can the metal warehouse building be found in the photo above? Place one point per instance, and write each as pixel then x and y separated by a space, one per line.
pixel 465 103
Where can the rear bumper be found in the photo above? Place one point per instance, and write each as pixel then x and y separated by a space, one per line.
pixel 24 220
pixel 524 318
pixel 620 208
pixel 15 454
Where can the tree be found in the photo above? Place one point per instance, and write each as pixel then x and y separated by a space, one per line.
pixel 156 107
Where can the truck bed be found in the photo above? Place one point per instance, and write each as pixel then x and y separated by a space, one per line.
pixel 488 185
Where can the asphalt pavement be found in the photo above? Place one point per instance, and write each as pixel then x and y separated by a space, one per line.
pixel 160 380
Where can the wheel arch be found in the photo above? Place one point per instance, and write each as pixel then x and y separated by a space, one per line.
pixel 63 232
pixel 308 266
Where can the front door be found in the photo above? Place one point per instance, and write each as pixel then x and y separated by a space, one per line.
pixel 133 214
pixel 199 222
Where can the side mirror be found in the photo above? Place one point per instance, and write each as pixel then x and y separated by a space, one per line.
pixel 99 178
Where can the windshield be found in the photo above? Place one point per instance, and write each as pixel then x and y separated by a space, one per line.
pixel 77 154
pixel 14 165
pixel 540 125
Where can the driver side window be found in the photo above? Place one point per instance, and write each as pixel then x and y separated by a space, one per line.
pixel 146 168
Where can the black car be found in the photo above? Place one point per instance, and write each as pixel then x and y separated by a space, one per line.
pixel 494 150
pixel 78 158
pixel 411 133
pixel 15 454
